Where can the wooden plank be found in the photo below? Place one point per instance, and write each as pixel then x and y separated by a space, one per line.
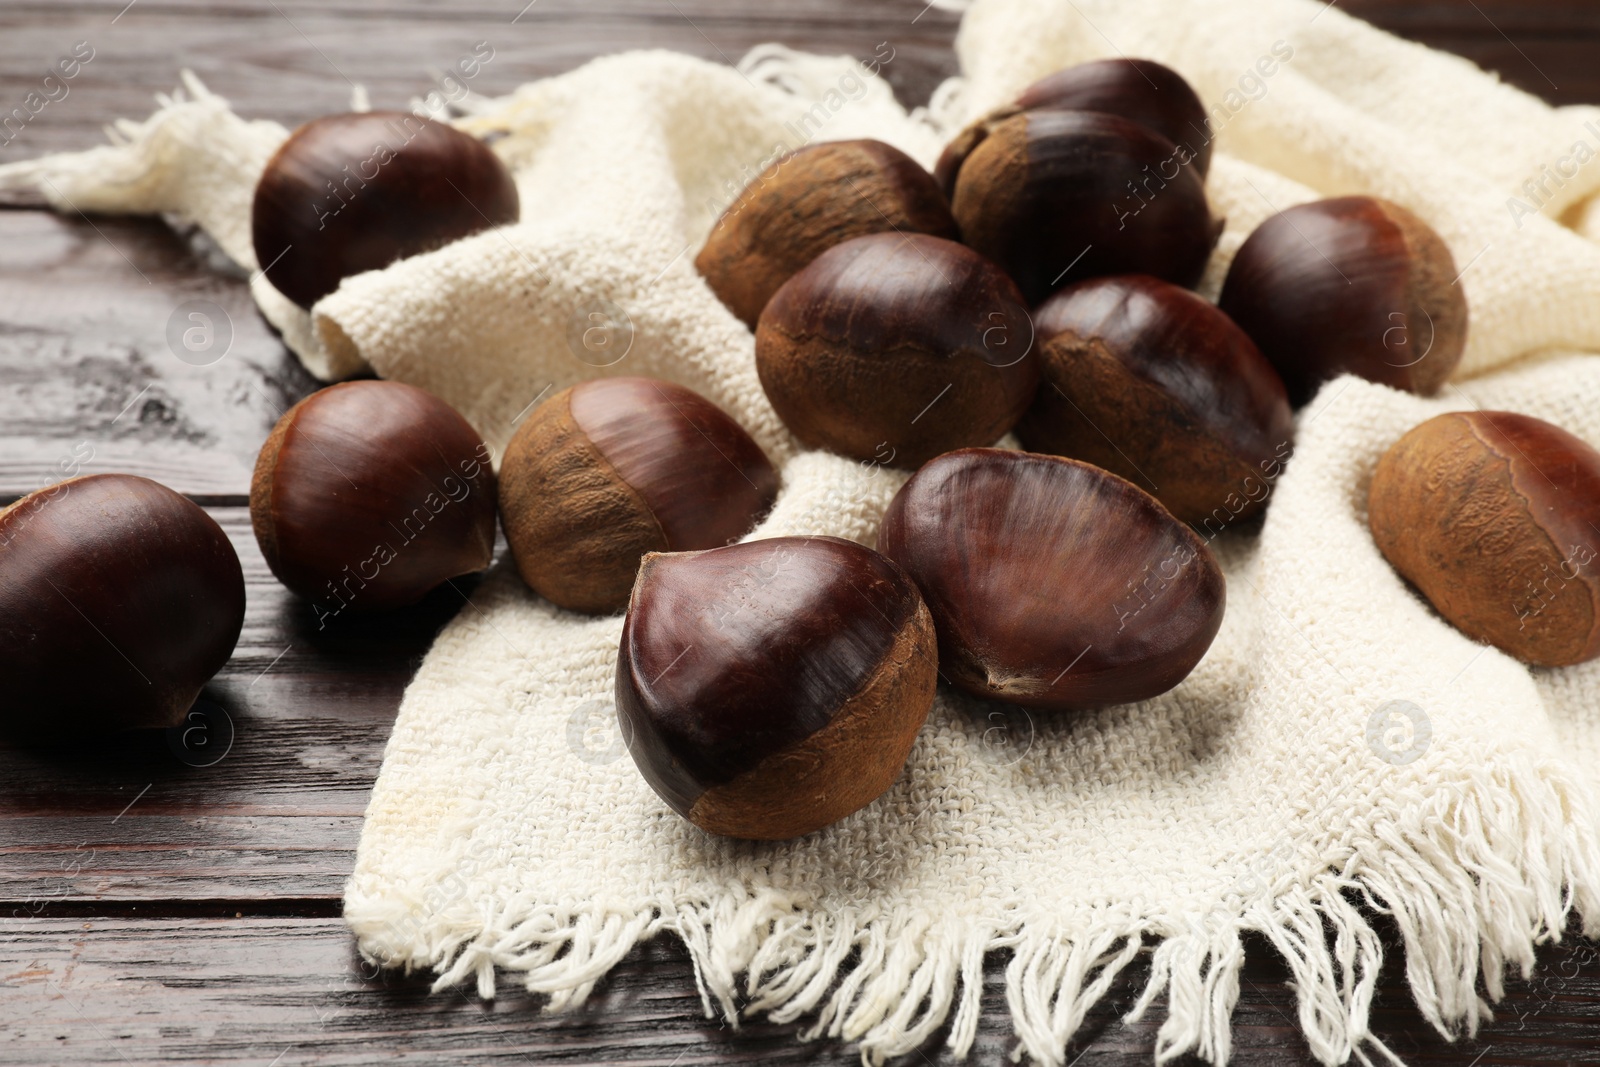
pixel 291 61
pixel 92 381
pixel 292 991
pixel 1546 48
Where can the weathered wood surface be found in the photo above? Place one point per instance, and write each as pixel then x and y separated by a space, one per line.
pixel 218 989
pixel 122 868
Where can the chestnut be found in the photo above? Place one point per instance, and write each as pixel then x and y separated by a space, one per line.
pixel 805 203
pixel 1156 385
pixel 1353 285
pixel 897 344
pixel 369 494
pixel 1057 196
pixel 352 193
pixel 1053 584
pixel 613 468
pixel 1143 90
pixel 1495 517
pixel 770 688
pixel 119 599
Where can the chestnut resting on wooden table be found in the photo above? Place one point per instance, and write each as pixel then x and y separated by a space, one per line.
pixel 369 494
pixel 119 599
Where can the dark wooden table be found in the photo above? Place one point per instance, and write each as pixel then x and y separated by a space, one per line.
pixel 156 910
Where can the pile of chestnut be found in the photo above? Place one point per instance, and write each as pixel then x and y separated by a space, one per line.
pixel 1037 282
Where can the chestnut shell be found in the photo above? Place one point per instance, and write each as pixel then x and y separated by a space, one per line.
pixel 805 203
pixel 370 494
pixel 1057 196
pixel 1156 385
pixel 770 688
pixel 1495 517
pixel 119 600
pixel 352 193
pixel 1353 285
pixel 1142 90
pixel 613 468
pixel 896 345
pixel 1053 584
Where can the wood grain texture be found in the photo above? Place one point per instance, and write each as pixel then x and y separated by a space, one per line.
pixel 291 990
pixel 153 911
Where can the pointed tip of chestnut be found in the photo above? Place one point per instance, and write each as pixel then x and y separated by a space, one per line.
pixel 770 688
pixel 1352 285
pixel 1495 517
pixel 1149 93
pixel 805 203
pixel 119 600
pixel 897 344
pixel 1183 404
pixel 1052 583
pixel 355 192
pixel 613 468
pixel 1056 196
pixel 369 494
pixel 959 147
pixel 1141 90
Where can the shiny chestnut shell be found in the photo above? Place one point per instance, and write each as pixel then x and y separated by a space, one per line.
pixel 1156 385
pixel 770 688
pixel 352 193
pixel 1495 517
pixel 369 494
pixel 1057 196
pixel 613 468
pixel 1353 285
pixel 900 346
pixel 1142 90
pixel 1053 584
pixel 805 203
pixel 119 599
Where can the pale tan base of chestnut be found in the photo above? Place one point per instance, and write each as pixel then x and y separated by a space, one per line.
pixel 844 766
pixel 1444 511
pixel 582 554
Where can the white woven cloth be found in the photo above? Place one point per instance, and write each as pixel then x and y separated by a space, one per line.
pixel 1339 746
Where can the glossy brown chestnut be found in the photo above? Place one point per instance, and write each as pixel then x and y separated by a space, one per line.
pixel 897 347
pixel 1354 285
pixel 119 599
pixel 1057 196
pixel 1495 517
pixel 1053 584
pixel 613 468
pixel 352 193
pixel 807 202
pixel 770 688
pixel 1143 90
pixel 369 494
pixel 1156 385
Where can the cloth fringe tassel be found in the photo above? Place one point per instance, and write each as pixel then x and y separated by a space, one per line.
pixel 1473 881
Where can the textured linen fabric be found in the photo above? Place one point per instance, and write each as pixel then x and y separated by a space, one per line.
pixel 1339 746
